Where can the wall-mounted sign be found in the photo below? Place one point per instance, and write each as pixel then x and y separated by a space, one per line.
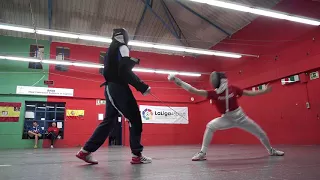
pixel 48 82
pixel 44 91
pixel 314 75
pixel 100 102
pixel 100 117
pixel 289 80
pixel 164 115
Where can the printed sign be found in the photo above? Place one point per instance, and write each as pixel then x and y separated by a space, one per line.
pixel 100 102
pixel 314 75
pixel 164 115
pixel 44 91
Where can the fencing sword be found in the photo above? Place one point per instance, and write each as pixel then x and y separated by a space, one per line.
pixel 166 105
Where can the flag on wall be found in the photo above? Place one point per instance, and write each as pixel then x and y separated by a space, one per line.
pixel 258 88
pixel 9 112
pixel 74 114
pixel 290 79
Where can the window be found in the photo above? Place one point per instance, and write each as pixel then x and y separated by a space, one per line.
pixel 62 53
pixel 101 60
pixel 44 113
pixel 37 53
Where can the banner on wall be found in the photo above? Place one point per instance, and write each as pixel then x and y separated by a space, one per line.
pixel 164 115
pixel 289 80
pixel 259 88
pixel 44 91
pixel 9 112
pixel 75 114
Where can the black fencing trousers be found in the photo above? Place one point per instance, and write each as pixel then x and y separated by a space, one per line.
pixel 119 100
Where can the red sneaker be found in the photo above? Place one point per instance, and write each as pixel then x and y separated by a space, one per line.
pixel 140 159
pixel 86 156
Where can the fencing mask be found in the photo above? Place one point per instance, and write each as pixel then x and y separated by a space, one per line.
pixel 120 35
pixel 219 81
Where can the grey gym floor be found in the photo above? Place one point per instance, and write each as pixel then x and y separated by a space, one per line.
pixel 238 162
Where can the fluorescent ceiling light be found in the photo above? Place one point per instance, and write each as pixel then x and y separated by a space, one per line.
pixel 20 59
pixel 16 28
pixel 178 73
pixel 260 11
pixel 57 34
pixel 140 44
pixel 227 55
pixel 189 74
pixel 91 65
pixel 166 72
pixel 143 70
pixel 131 43
pixel 168 47
pixel 183 49
pixel 87 65
pixel 302 20
pixel 95 38
pixel 57 62
pixel 198 51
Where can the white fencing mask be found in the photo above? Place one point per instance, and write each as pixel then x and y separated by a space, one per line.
pixel 219 81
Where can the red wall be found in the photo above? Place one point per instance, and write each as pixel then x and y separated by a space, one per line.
pixel 85 83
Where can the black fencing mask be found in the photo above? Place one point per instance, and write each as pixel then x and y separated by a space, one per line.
pixel 120 35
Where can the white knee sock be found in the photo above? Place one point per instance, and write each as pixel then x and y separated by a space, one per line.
pixel 207 137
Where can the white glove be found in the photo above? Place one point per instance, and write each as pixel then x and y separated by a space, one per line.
pixel 171 77
pixel 179 82
pixel 147 91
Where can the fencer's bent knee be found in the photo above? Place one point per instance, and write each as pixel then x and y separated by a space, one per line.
pixel 211 126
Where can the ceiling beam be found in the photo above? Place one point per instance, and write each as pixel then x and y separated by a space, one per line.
pixel 163 22
pixel 202 17
pixel 179 33
pixel 141 18
pixel 50 16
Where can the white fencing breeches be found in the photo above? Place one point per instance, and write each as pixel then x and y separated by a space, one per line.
pixel 234 119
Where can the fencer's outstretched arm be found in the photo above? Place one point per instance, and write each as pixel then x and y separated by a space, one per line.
pixel 125 71
pixel 256 93
pixel 187 86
